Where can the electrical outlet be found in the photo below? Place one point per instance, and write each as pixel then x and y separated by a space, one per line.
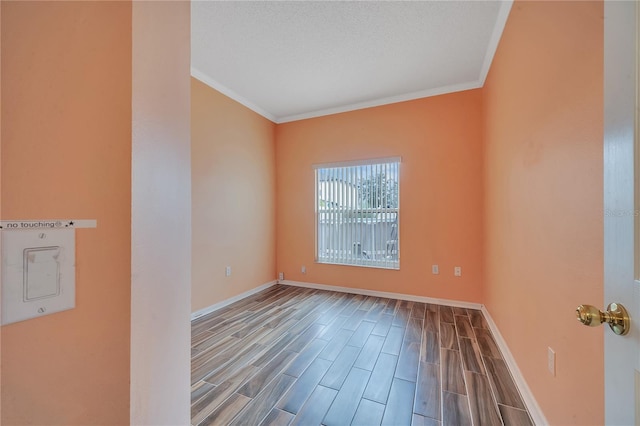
pixel 551 361
pixel 435 270
pixel 281 276
pixel 457 271
pixel 304 269
pixel 227 271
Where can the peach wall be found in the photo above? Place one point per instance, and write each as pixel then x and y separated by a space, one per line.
pixel 439 140
pixel 0 203
pixel 233 191
pixel 160 213
pixel 543 107
pixel 66 147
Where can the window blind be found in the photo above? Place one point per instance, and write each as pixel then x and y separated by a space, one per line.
pixel 358 213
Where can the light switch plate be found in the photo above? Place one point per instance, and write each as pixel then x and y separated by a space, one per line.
pixel 38 273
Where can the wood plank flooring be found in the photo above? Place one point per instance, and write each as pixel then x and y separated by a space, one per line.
pixel 297 356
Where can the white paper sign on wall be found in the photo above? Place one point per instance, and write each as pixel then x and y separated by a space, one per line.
pixel 18 225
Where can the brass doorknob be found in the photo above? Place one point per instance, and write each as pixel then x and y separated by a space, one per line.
pixel 616 316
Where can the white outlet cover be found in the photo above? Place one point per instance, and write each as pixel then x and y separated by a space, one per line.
pixel 551 361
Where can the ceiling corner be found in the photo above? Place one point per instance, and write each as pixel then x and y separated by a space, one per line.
pixel 492 47
pixel 199 75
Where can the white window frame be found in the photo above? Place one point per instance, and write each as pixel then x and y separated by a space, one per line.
pixel 370 234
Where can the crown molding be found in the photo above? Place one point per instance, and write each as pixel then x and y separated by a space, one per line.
pixel 199 75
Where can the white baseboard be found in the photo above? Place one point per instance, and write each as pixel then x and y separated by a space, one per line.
pixel 527 396
pixel 386 294
pixel 220 305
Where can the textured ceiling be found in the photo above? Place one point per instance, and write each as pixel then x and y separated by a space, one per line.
pixel 290 60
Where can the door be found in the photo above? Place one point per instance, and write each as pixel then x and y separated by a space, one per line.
pixel 621 353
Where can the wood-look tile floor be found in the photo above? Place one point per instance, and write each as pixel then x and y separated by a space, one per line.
pixel 298 356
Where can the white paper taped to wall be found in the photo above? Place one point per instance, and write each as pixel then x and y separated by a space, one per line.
pixel 10 225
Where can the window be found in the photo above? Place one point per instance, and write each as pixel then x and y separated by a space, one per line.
pixel 358 213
